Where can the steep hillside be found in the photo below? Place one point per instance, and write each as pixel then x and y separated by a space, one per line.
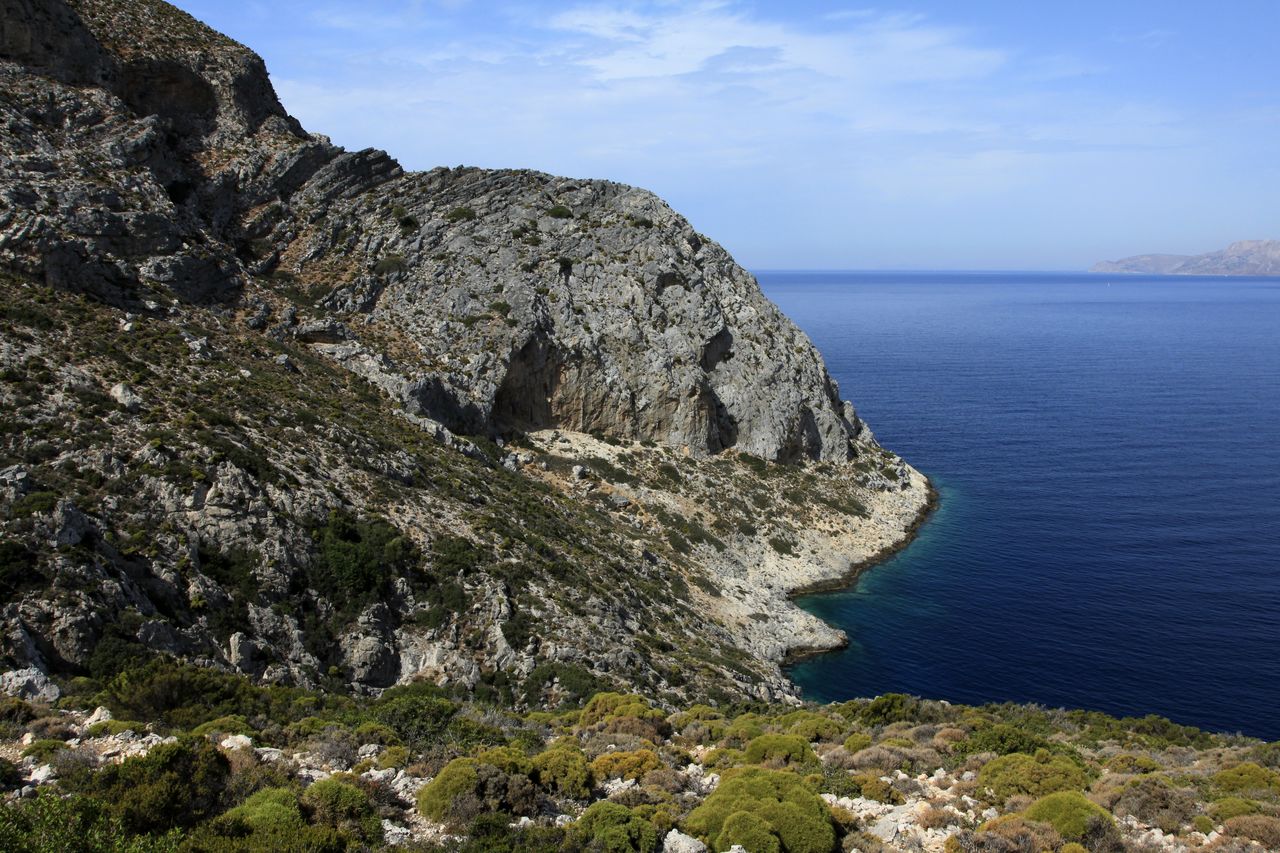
pixel 282 409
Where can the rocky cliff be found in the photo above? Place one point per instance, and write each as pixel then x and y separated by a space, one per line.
pixel 1244 257
pixel 282 408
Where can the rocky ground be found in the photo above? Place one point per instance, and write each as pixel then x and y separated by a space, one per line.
pixel 889 774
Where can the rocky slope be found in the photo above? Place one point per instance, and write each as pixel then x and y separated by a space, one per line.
pixel 283 409
pixel 1245 257
pixel 413 770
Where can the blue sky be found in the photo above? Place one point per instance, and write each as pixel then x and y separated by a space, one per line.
pixel 809 134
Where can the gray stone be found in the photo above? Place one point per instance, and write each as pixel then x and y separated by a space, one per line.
pixel 30 684
pixel 677 842
pixel 124 394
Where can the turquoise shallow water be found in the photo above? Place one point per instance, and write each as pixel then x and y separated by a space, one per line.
pixel 1107 451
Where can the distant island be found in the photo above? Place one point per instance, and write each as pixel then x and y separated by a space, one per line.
pixel 1245 257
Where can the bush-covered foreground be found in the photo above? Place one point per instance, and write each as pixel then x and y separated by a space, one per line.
pixel 168 757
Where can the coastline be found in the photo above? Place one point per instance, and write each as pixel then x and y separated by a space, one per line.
pixel 851 575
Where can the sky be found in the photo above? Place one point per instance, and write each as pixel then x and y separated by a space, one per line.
pixel 810 134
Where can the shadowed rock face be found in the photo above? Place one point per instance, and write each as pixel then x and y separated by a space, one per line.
pixel 525 300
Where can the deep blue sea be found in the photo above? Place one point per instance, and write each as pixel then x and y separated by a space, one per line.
pixel 1107 451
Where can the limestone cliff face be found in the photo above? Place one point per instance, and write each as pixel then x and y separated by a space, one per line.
pixel 197 431
pixel 531 301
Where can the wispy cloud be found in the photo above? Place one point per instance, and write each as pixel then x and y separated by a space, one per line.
pixel 716 102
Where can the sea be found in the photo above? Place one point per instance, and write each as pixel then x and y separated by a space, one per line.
pixel 1107 454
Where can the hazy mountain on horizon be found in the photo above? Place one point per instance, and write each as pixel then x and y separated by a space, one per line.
pixel 1244 257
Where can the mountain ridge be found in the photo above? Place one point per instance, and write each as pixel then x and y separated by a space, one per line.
pixel 1243 257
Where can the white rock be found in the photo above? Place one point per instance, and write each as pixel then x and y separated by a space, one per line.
pixel 42 775
pixel 677 842
pixel 236 742
pixel 311 775
pixel 124 394
pixel 268 755
pixel 369 750
pixel 394 834
pixel 99 715
pixel 617 786
pixel 563 819
pixel 29 683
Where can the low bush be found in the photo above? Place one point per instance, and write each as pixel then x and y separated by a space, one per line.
pixel 784 749
pixel 174 785
pixel 344 807
pixel 1010 833
pixel 43 750
pixel 797 818
pixel 563 769
pixel 615 828
pixel 1154 800
pixel 1228 807
pixel 857 741
pixel 50 822
pixel 1002 739
pixel 1247 778
pixel 436 798
pixel 1070 813
pixel 1263 829
pixel 605 706
pixel 1032 776
pixel 625 765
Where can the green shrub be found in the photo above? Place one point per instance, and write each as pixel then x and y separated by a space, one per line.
pixel 106 728
pixel 563 768
pixel 1033 776
pixel 744 728
pixel 1129 763
pixel 624 764
pixel 1201 823
pixel 1069 812
pixel 810 726
pixel 559 211
pixel 753 832
pixel 51 823
pixel 378 733
pixel 857 741
pixel 44 749
pixel 872 787
pixel 232 724
pixel 615 828
pixel 457 778
pixel 174 785
pixel 460 214
pixel 789 749
pixel 1245 778
pixel 272 811
pixel 392 263
pixel 508 759
pixel 890 708
pixel 338 804
pixel 355 559
pixel 1002 739
pixel 605 706
pixel 1229 807
pixel 796 817
pixel 393 757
